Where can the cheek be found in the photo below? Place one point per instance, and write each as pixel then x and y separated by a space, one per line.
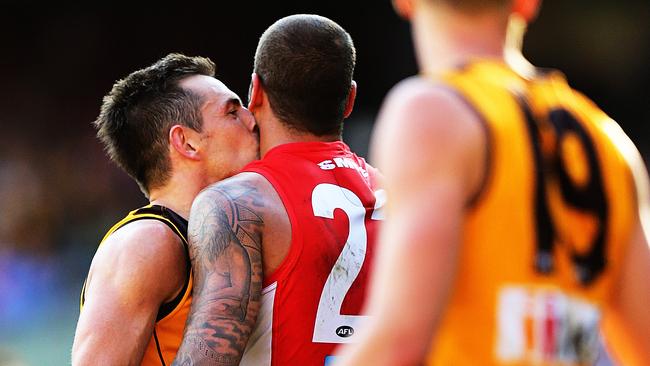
pixel 245 139
pixel 238 142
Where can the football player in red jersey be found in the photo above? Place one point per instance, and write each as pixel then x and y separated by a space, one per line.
pixel 281 252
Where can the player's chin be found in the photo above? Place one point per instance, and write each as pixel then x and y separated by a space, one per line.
pixel 251 153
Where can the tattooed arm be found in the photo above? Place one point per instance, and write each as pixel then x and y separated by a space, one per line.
pixel 225 248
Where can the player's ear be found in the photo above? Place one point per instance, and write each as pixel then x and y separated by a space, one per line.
pixel 349 105
pixel 403 8
pixel 184 141
pixel 255 92
pixel 527 9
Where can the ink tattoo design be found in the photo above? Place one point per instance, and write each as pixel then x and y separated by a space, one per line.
pixel 225 249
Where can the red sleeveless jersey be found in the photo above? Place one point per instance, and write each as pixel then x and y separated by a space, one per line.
pixel 312 302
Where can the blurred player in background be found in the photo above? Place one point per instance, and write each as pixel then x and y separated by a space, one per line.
pixel 174 129
pixel 516 208
pixel 281 252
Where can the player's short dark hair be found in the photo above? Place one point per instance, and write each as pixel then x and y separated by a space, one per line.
pixel 137 114
pixel 305 63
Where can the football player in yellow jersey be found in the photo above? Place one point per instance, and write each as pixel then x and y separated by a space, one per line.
pixel 517 223
pixel 174 129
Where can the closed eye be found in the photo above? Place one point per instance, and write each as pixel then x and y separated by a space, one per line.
pixel 233 105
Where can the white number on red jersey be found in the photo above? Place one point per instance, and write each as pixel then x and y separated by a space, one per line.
pixel 331 326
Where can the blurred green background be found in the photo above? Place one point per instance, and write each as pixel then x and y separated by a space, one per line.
pixel 58 192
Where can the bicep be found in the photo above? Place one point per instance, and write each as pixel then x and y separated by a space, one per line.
pixel 418 251
pixel 116 321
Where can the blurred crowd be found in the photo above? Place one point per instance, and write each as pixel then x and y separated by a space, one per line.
pixel 57 197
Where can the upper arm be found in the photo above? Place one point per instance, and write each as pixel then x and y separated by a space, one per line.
pixel 627 325
pixel 430 148
pixel 134 271
pixel 225 228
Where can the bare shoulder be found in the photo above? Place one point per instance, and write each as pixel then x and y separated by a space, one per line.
pixel 242 185
pixel 423 124
pixel 142 236
pixel 242 195
pixel 417 109
pixel 234 208
pixel 136 257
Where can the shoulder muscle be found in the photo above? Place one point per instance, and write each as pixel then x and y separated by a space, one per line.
pixel 138 261
pixel 425 125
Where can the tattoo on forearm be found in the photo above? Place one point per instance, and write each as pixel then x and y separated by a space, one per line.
pixel 225 250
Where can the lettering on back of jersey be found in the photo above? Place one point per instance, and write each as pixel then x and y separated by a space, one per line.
pixel 340 162
pixel 543 325
pixel 326 165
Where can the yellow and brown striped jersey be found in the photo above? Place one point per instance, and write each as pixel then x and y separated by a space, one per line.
pixel 544 241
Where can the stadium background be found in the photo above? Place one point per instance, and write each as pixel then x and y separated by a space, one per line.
pixel 58 192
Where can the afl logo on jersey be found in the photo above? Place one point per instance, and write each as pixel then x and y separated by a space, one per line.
pixel 344 331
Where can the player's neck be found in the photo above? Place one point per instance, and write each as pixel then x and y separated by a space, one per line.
pixel 445 39
pixel 177 194
pixel 274 133
pixel 514 44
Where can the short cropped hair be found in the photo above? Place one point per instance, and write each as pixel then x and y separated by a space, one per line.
pixel 137 114
pixel 305 64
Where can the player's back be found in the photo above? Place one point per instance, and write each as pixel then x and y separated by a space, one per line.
pixel 313 300
pixel 544 241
